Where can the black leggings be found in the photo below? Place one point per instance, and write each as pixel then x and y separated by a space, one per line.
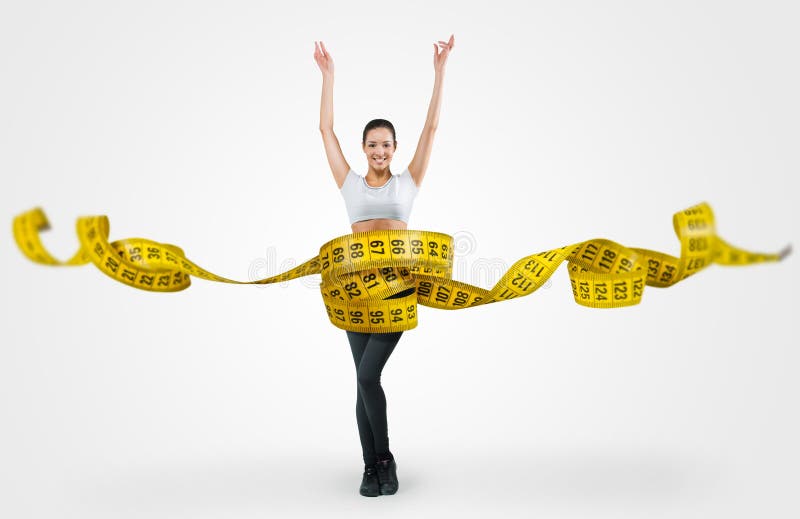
pixel 370 353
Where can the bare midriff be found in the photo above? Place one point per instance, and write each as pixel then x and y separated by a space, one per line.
pixel 378 224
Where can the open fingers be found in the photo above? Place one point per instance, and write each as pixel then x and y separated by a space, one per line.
pixel 449 44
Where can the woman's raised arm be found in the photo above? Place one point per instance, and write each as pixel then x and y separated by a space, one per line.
pixel 333 151
pixel 419 163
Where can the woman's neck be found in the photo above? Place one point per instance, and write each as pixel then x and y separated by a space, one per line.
pixel 378 177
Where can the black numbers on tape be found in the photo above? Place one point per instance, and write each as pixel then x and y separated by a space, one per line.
pixel 424 288
pixel 607 260
pixel 620 290
pixel 521 282
pixel 696 224
pixel 398 247
pixel 549 255
pixel 590 253
pixel 376 317
pixel 583 289
pixel 355 317
pixel 507 294
pixel 652 267
pixel 355 250
pixel 411 313
pixel 461 298
pixel 153 253
pixel 338 257
pixel 638 287
pixel 368 278
pixel 442 294
pixel 135 253
pixel 112 264
pixel 666 276
pixel 374 244
pixel 388 274
pixel 352 289
pixel 325 261
pixel 397 315
pixel 531 265
pixel 695 264
pixel 600 291
pixel 432 245
pixel 335 313
pixel 168 256
pixel 625 265
pixel 698 244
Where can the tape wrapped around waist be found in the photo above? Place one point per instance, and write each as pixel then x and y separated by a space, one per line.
pixel 374 281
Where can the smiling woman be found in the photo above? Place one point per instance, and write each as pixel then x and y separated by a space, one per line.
pixel 378 201
pixel 384 206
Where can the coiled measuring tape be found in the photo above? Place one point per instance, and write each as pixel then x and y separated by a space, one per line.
pixel 360 270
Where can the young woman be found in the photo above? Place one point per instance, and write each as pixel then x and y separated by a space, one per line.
pixel 380 200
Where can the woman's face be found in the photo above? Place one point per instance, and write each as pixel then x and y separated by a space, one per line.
pixel 379 148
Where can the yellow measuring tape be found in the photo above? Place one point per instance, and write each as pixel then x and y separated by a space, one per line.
pixel 359 270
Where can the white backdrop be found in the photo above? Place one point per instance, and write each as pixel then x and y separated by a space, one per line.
pixel 196 123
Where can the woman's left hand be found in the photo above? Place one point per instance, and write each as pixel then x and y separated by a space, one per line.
pixel 440 58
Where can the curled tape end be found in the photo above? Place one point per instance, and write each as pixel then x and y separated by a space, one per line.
pixel 785 251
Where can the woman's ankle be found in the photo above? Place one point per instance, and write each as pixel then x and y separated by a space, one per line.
pixel 385 456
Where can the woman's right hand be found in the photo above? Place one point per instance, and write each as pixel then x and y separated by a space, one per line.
pixel 323 59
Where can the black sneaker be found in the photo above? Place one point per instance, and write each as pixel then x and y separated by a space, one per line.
pixel 387 476
pixel 369 483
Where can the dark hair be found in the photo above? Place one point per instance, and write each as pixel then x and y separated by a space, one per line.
pixel 378 123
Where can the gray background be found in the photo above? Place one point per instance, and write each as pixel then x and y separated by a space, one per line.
pixel 196 123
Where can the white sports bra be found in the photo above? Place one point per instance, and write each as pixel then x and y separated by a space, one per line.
pixel 391 200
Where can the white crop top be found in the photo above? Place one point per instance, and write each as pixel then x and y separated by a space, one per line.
pixel 391 200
